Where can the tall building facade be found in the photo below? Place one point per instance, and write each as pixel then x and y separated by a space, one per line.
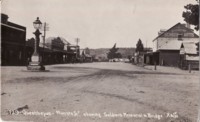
pixel 13 40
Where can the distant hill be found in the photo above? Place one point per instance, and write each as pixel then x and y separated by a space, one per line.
pixel 102 52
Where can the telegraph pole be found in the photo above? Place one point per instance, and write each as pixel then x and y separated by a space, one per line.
pixel 77 41
pixel 45 28
pixel 146 44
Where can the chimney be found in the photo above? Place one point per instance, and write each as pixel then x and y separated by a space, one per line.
pixel 161 31
pixel 188 25
pixel 4 18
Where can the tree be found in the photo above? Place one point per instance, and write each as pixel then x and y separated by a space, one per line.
pixel 191 15
pixel 87 51
pixel 139 46
pixel 129 57
pixel 30 42
pixel 118 55
pixel 83 54
pixel 112 52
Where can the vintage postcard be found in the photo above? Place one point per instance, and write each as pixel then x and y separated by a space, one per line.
pixel 100 61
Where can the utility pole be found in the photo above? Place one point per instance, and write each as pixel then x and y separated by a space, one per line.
pixel 44 28
pixel 77 41
pixel 146 44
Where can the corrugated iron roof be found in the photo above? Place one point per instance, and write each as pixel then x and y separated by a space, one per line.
pixel 49 40
pixel 87 55
pixel 192 58
pixel 172 28
pixel 171 45
pixel 190 47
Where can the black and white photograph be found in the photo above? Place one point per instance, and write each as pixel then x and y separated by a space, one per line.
pixel 100 61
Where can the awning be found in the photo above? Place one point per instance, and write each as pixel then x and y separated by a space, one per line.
pixel 45 50
pixel 192 58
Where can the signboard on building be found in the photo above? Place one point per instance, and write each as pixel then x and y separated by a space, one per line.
pixel 182 51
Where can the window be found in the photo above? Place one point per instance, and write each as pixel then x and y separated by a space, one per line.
pixel 180 37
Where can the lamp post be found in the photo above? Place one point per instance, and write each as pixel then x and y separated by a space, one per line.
pixel 35 63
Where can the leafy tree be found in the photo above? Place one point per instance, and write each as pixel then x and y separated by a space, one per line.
pixel 129 57
pixel 139 46
pixel 30 42
pixel 112 52
pixel 83 54
pixel 118 55
pixel 191 15
pixel 87 51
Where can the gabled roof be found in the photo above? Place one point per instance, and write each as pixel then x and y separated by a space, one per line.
pixel 189 45
pixel 49 40
pixel 173 28
pixel 171 45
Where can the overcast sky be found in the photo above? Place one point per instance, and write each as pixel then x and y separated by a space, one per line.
pixel 98 23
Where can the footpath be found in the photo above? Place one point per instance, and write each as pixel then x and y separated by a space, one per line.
pixel 170 69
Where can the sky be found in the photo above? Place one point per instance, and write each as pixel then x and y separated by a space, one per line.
pixel 98 23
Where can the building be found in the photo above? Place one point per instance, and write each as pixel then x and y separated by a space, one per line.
pixel 13 40
pixel 189 55
pixel 73 53
pixel 140 57
pixel 85 55
pixel 56 50
pixel 166 46
pixel 57 53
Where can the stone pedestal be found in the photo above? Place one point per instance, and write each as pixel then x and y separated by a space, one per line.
pixel 35 64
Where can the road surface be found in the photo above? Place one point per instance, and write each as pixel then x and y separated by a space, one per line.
pixel 99 92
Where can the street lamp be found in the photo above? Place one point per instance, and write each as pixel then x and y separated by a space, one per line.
pixel 37 24
pixel 35 63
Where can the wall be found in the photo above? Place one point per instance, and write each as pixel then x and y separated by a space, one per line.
pixel 162 41
pixel 13 44
pixel 172 35
pixel 169 58
pixel 155 45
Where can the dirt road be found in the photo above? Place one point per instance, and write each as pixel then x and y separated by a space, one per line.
pixel 98 92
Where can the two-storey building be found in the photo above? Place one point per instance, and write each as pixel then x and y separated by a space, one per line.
pixel 166 46
pixel 13 40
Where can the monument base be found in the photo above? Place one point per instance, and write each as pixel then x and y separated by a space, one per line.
pixel 35 66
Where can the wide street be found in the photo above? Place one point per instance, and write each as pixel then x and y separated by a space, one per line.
pixel 99 92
